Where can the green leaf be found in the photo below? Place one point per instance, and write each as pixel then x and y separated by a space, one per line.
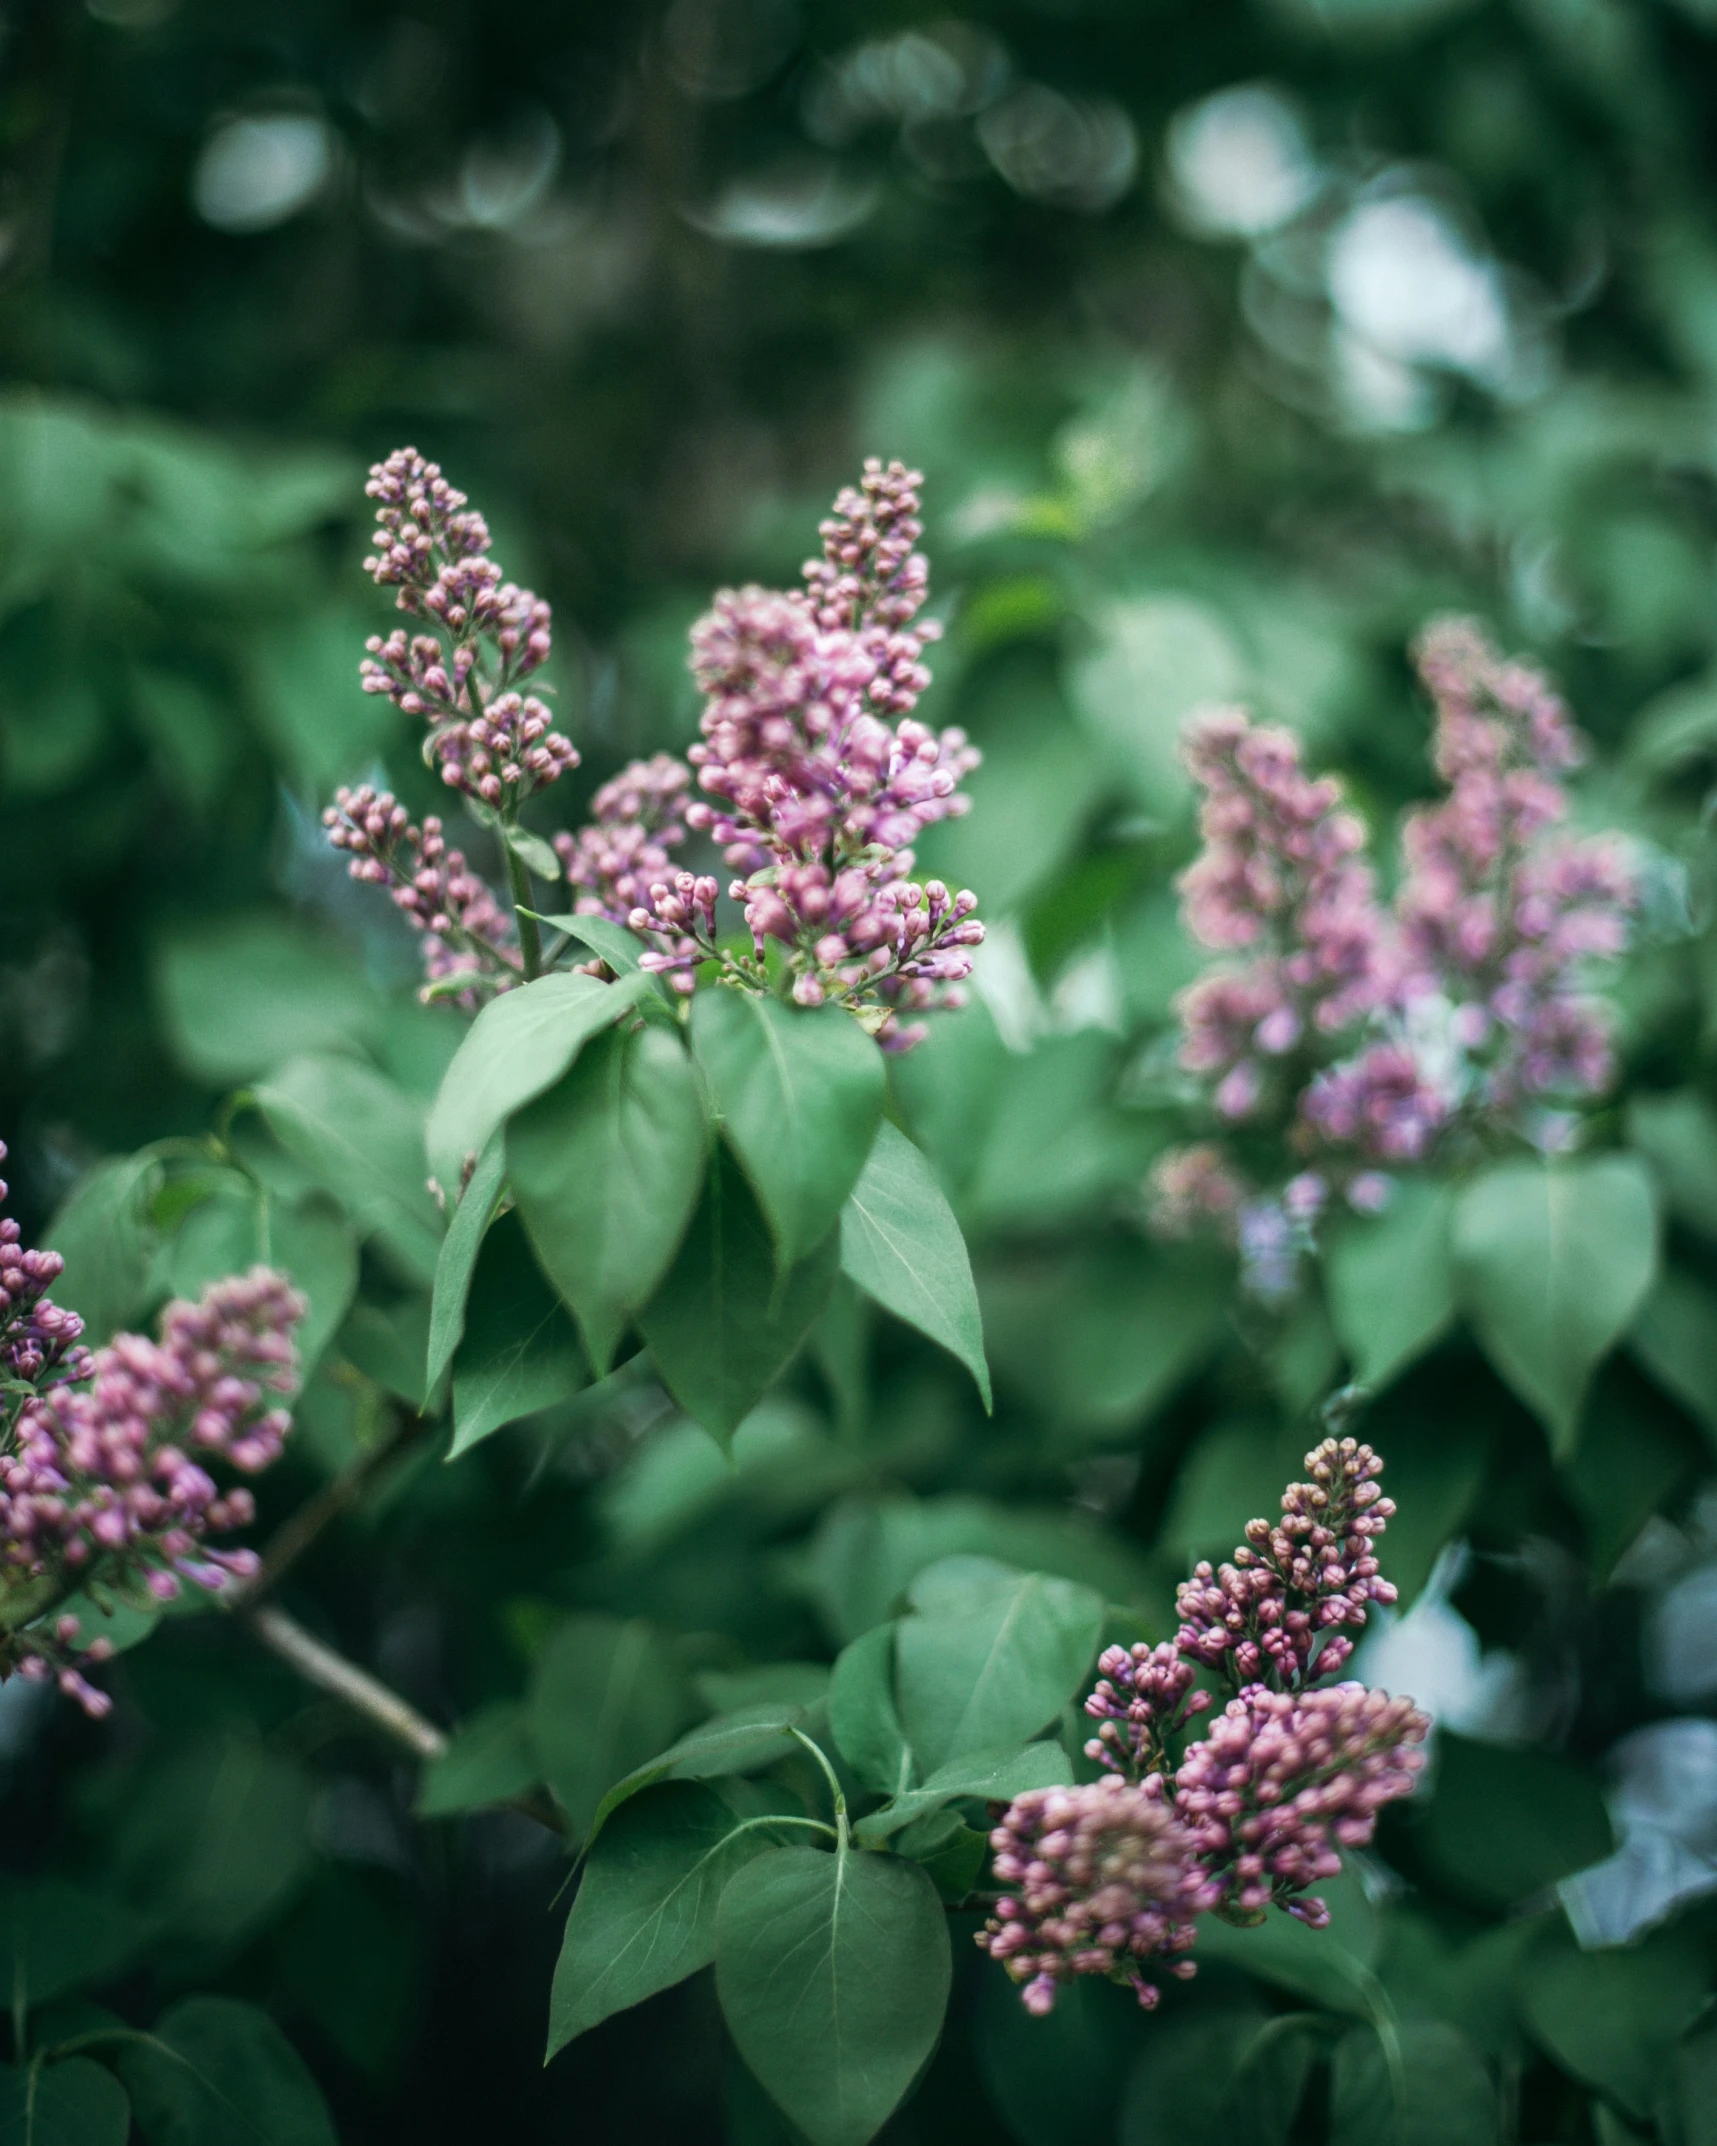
pixel 736 1743
pixel 1696 2082
pixel 1056 2081
pixel 390 1345
pixel 619 947
pixel 724 1324
pixel 242 995
pixel 989 1656
pixel 1391 1279
pixel 1100 1340
pixel 1182 2091
pixel 458 1259
pixel 1675 1338
pixel 533 852
pixel 520 1044
pixel 901 1244
pixel 1328 1968
pixel 606 1696
pixel 212 1839
pixel 799 1092
pixel 519 1352
pixel 1634 1451
pixel 101 1234
pixel 74 2103
pixel 1612 2017
pixel 490 1760
pixel 1553 1261
pixel 1447 2097
pixel 311 1244
pixel 123 1624
pixel 833 1975
pixel 997 1776
pixel 56 1936
pixel 1504 1825
pixel 950 1852
pixel 606 1169
pixel 863 1716
pixel 1677 1134
pixel 240 1223
pixel 644 1918
pixel 361 1139
pixel 220 2073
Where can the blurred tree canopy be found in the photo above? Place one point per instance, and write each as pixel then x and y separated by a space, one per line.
pixel 1234 342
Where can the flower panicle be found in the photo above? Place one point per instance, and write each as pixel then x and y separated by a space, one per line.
pixel 816 778
pixel 1102 1880
pixel 107 1478
pixel 1109 1878
pixel 470 943
pixel 1365 1039
pixel 1502 912
pixel 1281 1612
pixel 637 821
pixel 40 1341
pixel 484 636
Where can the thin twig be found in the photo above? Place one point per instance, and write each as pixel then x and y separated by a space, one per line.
pixel 331 1672
pixel 302 1528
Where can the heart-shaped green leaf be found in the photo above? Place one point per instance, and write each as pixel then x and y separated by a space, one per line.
pixel 833 1974
pixel 1553 1261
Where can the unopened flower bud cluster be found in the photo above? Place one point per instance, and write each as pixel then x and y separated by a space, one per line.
pixel 104 1463
pixel 1363 1039
pixel 1107 1877
pixel 813 777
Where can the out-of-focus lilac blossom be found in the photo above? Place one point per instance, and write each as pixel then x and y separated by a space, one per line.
pixel 486 635
pixel 817 779
pixel 1193 1190
pixel 1380 1104
pixel 636 822
pixel 470 943
pixel 1355 1038
pixel 105 1479
pixel 1498 913
pixel 1103 1881
pixel 1281 874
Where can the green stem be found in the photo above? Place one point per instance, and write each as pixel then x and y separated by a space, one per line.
pixel 519 880
pixel 840 1802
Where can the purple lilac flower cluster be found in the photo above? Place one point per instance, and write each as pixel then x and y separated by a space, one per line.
pixel 1104 1880
pixel 102 1474
pixel 1499 913
pixel 1359 1038
pixel 470 943
pixel 637 821
pixel 40 1344
pixel 461 677
pixel 1105 1877
pixel 817 779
